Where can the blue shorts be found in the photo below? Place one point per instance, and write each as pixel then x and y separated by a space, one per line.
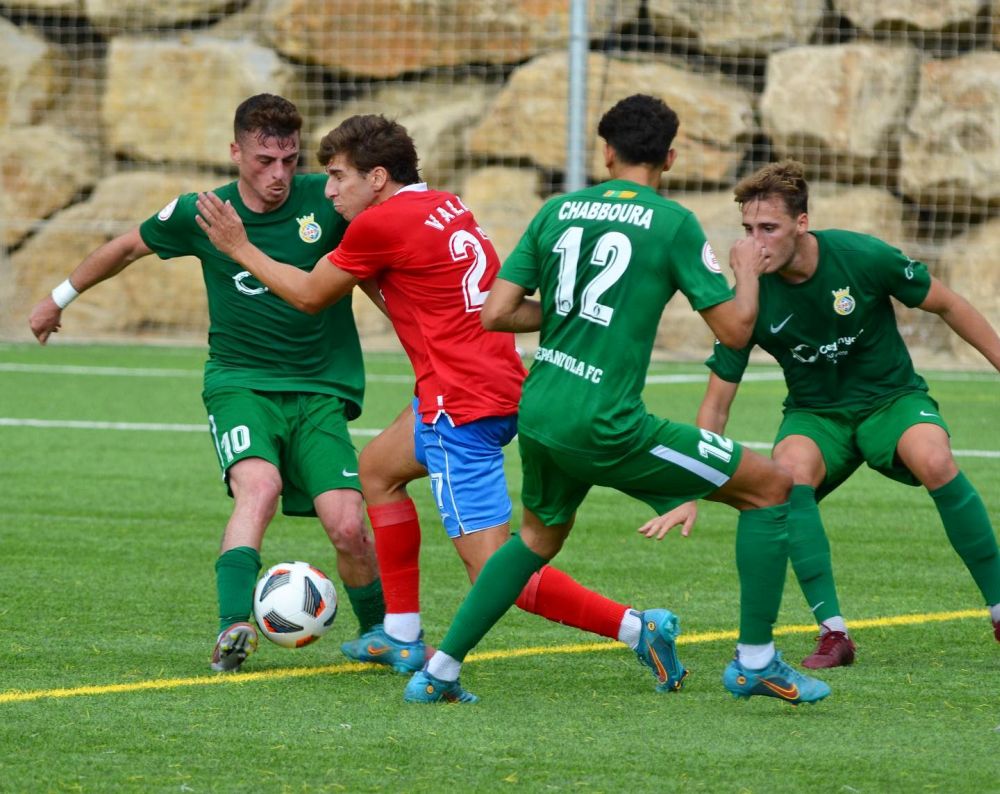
pixel 465 464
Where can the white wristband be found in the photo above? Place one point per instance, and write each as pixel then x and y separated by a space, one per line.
pixel 64 294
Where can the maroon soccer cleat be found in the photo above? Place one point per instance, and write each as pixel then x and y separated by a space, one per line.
pixel 834 649
pixel 996 629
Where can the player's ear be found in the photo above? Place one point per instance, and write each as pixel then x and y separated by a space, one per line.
pixel 379 177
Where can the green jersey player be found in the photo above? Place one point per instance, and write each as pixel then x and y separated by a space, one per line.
pixel 853 396
pixel 280 384
pixel 605 260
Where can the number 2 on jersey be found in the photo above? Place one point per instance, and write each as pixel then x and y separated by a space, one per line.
pixel 462 245
pixel 612 254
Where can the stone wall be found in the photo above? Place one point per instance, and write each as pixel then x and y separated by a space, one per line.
pixel 109 108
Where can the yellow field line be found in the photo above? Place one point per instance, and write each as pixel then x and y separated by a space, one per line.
pixel 353 667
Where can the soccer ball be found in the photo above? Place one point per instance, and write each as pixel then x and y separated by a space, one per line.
pixel 294 604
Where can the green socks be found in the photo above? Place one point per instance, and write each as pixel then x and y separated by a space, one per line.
pixel 495 591
pixel 968 527
pixel 235 578
pixel 367 603
pixel 809 551
pixel 761 560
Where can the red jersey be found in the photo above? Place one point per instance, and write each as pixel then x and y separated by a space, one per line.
pixel 434 267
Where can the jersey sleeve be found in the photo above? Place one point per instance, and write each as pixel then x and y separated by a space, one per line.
pixel 729 364
pixel 905 279
pixel 699 274
pixel 368 246
pixel 521 265
pixel 169 233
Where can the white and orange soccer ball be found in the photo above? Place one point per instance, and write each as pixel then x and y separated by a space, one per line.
pixel 294 604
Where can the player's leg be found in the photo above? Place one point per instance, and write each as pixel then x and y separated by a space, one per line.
pixel 320 471
pixel 242 425
pixel 759 490
pixel 466 465
pixel 926 451
pixel 805 445
pixel 387 464
pixel 497 587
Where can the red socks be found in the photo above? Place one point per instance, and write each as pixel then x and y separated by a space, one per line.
pixel 556 596
pixel 397 547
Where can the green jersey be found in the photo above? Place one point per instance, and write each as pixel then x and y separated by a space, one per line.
pixel 605 261
pixel 256 340
pixel 835 335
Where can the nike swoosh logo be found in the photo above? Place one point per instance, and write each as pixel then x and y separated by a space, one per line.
pixel 924 413
pixel 661 671
pixel 377 650
pixel 346 473
pixel 787 692
pixel 782 324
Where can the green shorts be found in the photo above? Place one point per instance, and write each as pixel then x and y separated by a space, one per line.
pixel 673 464
pixel 846 439
pixel 305 435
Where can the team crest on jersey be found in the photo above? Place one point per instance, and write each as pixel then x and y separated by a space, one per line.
pixel 709 260
pixel 309 230
pixel 843 303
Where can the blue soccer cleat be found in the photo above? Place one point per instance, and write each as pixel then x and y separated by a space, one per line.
pixel 657 651
pixel 777 680
pixel 377 647
pixel 425 688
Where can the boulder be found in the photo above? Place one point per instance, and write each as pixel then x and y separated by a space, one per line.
pixel 951 148
pixel 173 99
pixel 528 119
pixel 417 36
pixel 839 108
pixel 151 295
pixel 437 116
pixel 33 182
pixel 732 27
pixel 29 74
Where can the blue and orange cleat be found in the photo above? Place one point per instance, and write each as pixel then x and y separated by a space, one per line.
pixel 377 647
pixel 425 688
pixel 777 680
pixel 657 651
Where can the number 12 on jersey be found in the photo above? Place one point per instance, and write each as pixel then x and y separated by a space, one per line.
pixel 612 254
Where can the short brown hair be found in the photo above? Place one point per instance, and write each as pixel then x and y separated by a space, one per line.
pixel 785 180
pixel 269 115
pixel 371 141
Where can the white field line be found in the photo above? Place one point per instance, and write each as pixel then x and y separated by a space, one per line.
pixel 144 372
pixel 157 372
pixel 77 424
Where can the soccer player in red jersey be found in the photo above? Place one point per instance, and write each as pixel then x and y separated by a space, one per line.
pixel 421 255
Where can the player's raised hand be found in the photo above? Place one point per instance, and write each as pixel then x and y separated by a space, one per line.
pixel 683 516
pixel 747 256
pixel 219 220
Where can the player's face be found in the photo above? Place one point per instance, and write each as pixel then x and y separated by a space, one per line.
pixel 351 191
pixel 769 223
pixel 266 167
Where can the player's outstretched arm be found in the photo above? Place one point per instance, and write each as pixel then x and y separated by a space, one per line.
pixel 508 308
pixel 964 319
pixel 713 413
pixel 309 292
pixel 102 263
